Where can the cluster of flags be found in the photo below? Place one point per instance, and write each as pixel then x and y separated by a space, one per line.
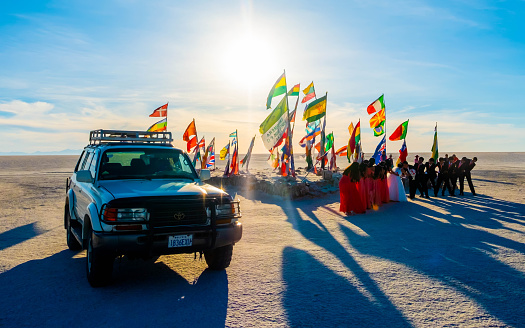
pixel 277 132
pixel 194 145
pixel 161 125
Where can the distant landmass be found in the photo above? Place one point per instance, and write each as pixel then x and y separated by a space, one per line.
pixel 60 152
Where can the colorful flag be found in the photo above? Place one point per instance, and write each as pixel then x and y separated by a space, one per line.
pixel 379 155
pixel 376 105
pixel 354 139
pixel 162 111
pixel 380 129
pixel 274 126
pixel 351 128
pixel 159 126
pixel 400 132
pixel 329 142
pixel 190 136
pixel 197 157
pixel 358 132
pixel 309 93
pixel 377 118
pixel 234 166
pixel 209 154
pixel 312 134
pixel 294 91
pixel 246 159
pixel 278 89
pixel 233 134
pixel 225 151
pixel 435 152
pixel 273 160
pixel 403 153
pixel 315 110
pixel 202 143
pixel 342 151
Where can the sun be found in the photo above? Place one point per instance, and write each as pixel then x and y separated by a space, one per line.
pixel 248 61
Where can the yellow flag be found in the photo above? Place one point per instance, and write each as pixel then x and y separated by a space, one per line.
pixel 351 128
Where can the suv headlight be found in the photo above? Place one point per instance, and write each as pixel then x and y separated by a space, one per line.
pixel 125 214
pixel 228 212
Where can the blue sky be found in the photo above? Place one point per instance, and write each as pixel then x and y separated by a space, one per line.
pixel 70 67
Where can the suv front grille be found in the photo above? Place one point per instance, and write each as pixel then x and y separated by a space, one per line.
pixel 171 211
pixel 176 213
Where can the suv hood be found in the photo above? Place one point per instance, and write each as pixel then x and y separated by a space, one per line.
pixel 148 188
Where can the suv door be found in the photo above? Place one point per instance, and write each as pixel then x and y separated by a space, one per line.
pixel 81 189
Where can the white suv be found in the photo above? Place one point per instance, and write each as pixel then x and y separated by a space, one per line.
pixel 132 193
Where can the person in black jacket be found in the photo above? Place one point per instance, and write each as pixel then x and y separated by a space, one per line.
pixel 431 174
pixel 453 173
pixel 443 178
pixel 410 172
pixel 465 168
pixel 422 177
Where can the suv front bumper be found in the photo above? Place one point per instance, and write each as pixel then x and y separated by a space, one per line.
pixel 148 244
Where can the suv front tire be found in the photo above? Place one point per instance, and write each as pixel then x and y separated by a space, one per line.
pixel 219 258
pixel 99 266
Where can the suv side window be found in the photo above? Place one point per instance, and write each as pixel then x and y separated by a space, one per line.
pixel 80 161
pixel 93 164
pixel 87 160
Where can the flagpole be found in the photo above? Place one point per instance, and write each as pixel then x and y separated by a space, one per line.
pixel 167 116
pixel 323 133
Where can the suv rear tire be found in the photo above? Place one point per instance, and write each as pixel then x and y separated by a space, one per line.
pixel 219 258
pixel 72 242
pixel 99 266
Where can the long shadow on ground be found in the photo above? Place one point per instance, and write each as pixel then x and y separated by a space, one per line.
pixel 53 292
pixel 316 296
pixel 457 249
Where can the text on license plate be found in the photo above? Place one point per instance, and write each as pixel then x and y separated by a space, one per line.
pixel 180 241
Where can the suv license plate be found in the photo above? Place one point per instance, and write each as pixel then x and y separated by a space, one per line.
pixel 180 241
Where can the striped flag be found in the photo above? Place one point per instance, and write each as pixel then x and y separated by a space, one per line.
pixel 376 105
pixel 278 88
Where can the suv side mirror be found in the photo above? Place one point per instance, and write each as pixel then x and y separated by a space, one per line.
pixel 84 176
pixel 205 175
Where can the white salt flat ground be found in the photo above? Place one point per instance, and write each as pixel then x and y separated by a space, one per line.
pixel 428 263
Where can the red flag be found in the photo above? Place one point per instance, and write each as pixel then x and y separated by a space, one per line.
pixel 190 136
pixel 162 111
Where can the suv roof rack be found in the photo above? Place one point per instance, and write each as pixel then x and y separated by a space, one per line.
pixel 97 137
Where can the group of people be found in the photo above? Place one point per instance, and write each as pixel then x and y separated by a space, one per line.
pixel 367 185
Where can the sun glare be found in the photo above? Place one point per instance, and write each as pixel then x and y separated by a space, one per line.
pixel 247 61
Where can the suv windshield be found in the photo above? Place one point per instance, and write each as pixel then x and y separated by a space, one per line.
pixel 152 163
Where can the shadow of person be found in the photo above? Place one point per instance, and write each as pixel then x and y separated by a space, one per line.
pixel 315 296
pixel 54 292
pixel 457 250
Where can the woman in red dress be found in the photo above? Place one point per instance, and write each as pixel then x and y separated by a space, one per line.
pixel 348 189
pixel 363 186
pixel 370 184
